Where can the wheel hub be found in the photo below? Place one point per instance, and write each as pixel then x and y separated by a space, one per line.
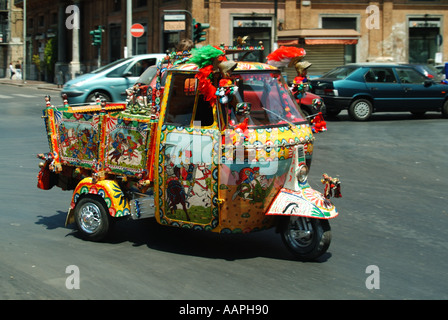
pixel 362 109
pixel 301 231
pixel 90 218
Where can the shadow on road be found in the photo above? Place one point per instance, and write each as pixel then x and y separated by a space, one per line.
pixel 148 232
pixel 396 116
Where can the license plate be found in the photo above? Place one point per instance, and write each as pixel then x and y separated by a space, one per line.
pixel 319 92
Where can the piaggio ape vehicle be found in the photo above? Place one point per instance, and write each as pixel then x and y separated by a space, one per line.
pixel 222 146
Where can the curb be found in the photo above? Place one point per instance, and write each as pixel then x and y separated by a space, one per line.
pixel 38 85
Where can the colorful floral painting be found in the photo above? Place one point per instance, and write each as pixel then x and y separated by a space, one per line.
pixel 78 137
pixel 125 145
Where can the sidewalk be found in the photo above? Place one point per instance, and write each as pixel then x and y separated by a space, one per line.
pixel 30 83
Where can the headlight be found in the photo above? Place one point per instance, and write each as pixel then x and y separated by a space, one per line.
pixel 302 173
pixel 80 83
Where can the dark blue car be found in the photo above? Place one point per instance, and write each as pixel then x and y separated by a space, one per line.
pixel 363 89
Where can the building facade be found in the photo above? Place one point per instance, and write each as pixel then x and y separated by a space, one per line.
pixel 332 32
pixel 11 39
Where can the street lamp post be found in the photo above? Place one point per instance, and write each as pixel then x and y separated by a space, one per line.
pixel 24 43
pixel 128 28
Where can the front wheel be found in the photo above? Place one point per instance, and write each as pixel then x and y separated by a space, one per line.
pixel 306 238
pixel 92 218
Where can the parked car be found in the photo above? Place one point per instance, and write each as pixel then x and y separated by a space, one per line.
pixel 429 71
pixel 311 104
pixel 110 81
pixel 442 68
pixel 363 89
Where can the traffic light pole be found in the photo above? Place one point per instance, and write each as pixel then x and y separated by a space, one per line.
pixel 99 56
pixel 97 40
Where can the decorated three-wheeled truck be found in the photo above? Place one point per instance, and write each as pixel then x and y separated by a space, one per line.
pixel 212 145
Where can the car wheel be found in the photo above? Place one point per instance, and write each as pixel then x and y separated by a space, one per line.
pixel 91 97
pixel 92 218
pixel 360 109
pixel 445 109
pixel 307 239
pixel 306 114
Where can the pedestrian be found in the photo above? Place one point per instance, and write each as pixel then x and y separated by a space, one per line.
pixel 185 45
pixel 12 71
pixel 18 70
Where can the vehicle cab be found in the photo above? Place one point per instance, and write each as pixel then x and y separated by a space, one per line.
pixel 233 156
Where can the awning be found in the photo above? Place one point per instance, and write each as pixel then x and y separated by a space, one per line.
pixel 318 36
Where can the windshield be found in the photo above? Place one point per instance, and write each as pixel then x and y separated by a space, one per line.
pixel 110 65
pixel 339 73
pixel 262 99
pixel 148 75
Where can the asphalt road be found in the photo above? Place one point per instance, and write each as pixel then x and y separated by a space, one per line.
pixel 393 216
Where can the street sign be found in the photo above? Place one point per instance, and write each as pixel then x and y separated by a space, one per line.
pixel 174 22
pixel 174 25
pixel 137 30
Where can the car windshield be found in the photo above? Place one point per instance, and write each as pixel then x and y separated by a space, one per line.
pixel 262 99
pixel 147 76
pixel 110 65
pixel 340 72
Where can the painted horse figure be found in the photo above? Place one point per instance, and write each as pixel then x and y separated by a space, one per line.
pixel 176 193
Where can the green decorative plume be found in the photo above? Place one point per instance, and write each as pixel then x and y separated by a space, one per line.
pixel 204 56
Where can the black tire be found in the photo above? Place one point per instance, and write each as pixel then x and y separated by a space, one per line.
pixel 306 238
pixel 306 114
pixel 102 95
pixel 445 109
pixel 331 113
pixel 92 218
pixel 360 110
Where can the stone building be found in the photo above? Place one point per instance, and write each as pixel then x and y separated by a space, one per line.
pixel 11 40
pixel 332 32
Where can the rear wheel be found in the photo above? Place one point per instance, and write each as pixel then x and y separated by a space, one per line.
pixel 92 218
pixel 360 110
pixel 306 238
pixel 445 109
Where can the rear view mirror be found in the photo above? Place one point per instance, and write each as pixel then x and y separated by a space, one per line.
pixel 243 108
pixel 428 83
pixel 127 74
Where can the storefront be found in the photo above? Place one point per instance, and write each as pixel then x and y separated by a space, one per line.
pixel 326 48
pixel 425 39
pixel 254 29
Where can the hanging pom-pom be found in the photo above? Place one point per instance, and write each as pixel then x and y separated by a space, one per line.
pixel 285 56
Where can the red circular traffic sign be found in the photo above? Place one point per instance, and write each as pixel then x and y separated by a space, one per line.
pixel 137 30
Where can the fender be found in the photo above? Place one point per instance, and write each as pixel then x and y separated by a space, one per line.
pixel 306 202
pixel 109 190
pixel 298 198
